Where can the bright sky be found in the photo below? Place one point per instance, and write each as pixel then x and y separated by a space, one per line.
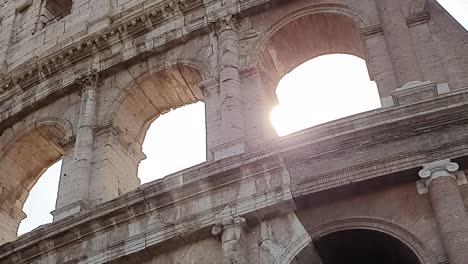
pixel 176 140
pixel 304 94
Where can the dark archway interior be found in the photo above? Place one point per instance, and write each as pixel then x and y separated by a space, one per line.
pixel 364 247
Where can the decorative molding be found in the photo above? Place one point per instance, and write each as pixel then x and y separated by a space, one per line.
pixel 417 19
pixel 372 30
pixel 210 87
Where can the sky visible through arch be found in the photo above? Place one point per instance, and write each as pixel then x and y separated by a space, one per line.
pixel 176 140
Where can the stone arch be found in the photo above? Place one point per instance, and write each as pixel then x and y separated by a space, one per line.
pixel 419 248
pixel 165 87
pixel 28 153
pixel 343 35
pixel 342 9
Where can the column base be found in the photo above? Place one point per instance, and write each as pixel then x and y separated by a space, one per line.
pixel 229 149
pixel 69 210
pixel 414 92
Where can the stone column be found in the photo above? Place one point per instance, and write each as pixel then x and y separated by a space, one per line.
pixel 226 30
pixel 231 230
pixel 399 42
pixel 77 183
pixel 448 206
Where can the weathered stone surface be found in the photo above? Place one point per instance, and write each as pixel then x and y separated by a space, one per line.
pixel 266 199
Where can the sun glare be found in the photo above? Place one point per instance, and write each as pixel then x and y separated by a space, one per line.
pixel 323 89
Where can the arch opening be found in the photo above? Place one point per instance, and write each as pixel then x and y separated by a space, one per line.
pixel 22 163
pixel 300 39
pixel 323 89
pixel 316 65
pixel 365 247
pixel 41 200
pixel 173 142
pixel 163 114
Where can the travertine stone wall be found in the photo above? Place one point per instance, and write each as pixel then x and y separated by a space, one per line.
pixel 85 89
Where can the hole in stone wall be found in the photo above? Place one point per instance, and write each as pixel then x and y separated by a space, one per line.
pixel 41 200
pixel 174 141
pixel 323 89
pixel 54 10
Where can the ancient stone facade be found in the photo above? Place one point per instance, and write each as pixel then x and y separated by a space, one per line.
pixel 81 80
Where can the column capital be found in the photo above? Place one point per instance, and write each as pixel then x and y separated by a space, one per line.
pixel 437 169
pixel 90 79
pixel 223 23
pixel 230 231
pixel 210 86
pixel 234 222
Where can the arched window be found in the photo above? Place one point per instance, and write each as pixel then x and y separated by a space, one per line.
pixel 41 200
pixel 170 101
pixel 317 65
pixel 174 141
pixel 321 90
pixel 23 161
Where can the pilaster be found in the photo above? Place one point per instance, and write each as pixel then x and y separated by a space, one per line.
pixel 116 160
pixel 231 104
pixel 73 196
pixel 399 42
